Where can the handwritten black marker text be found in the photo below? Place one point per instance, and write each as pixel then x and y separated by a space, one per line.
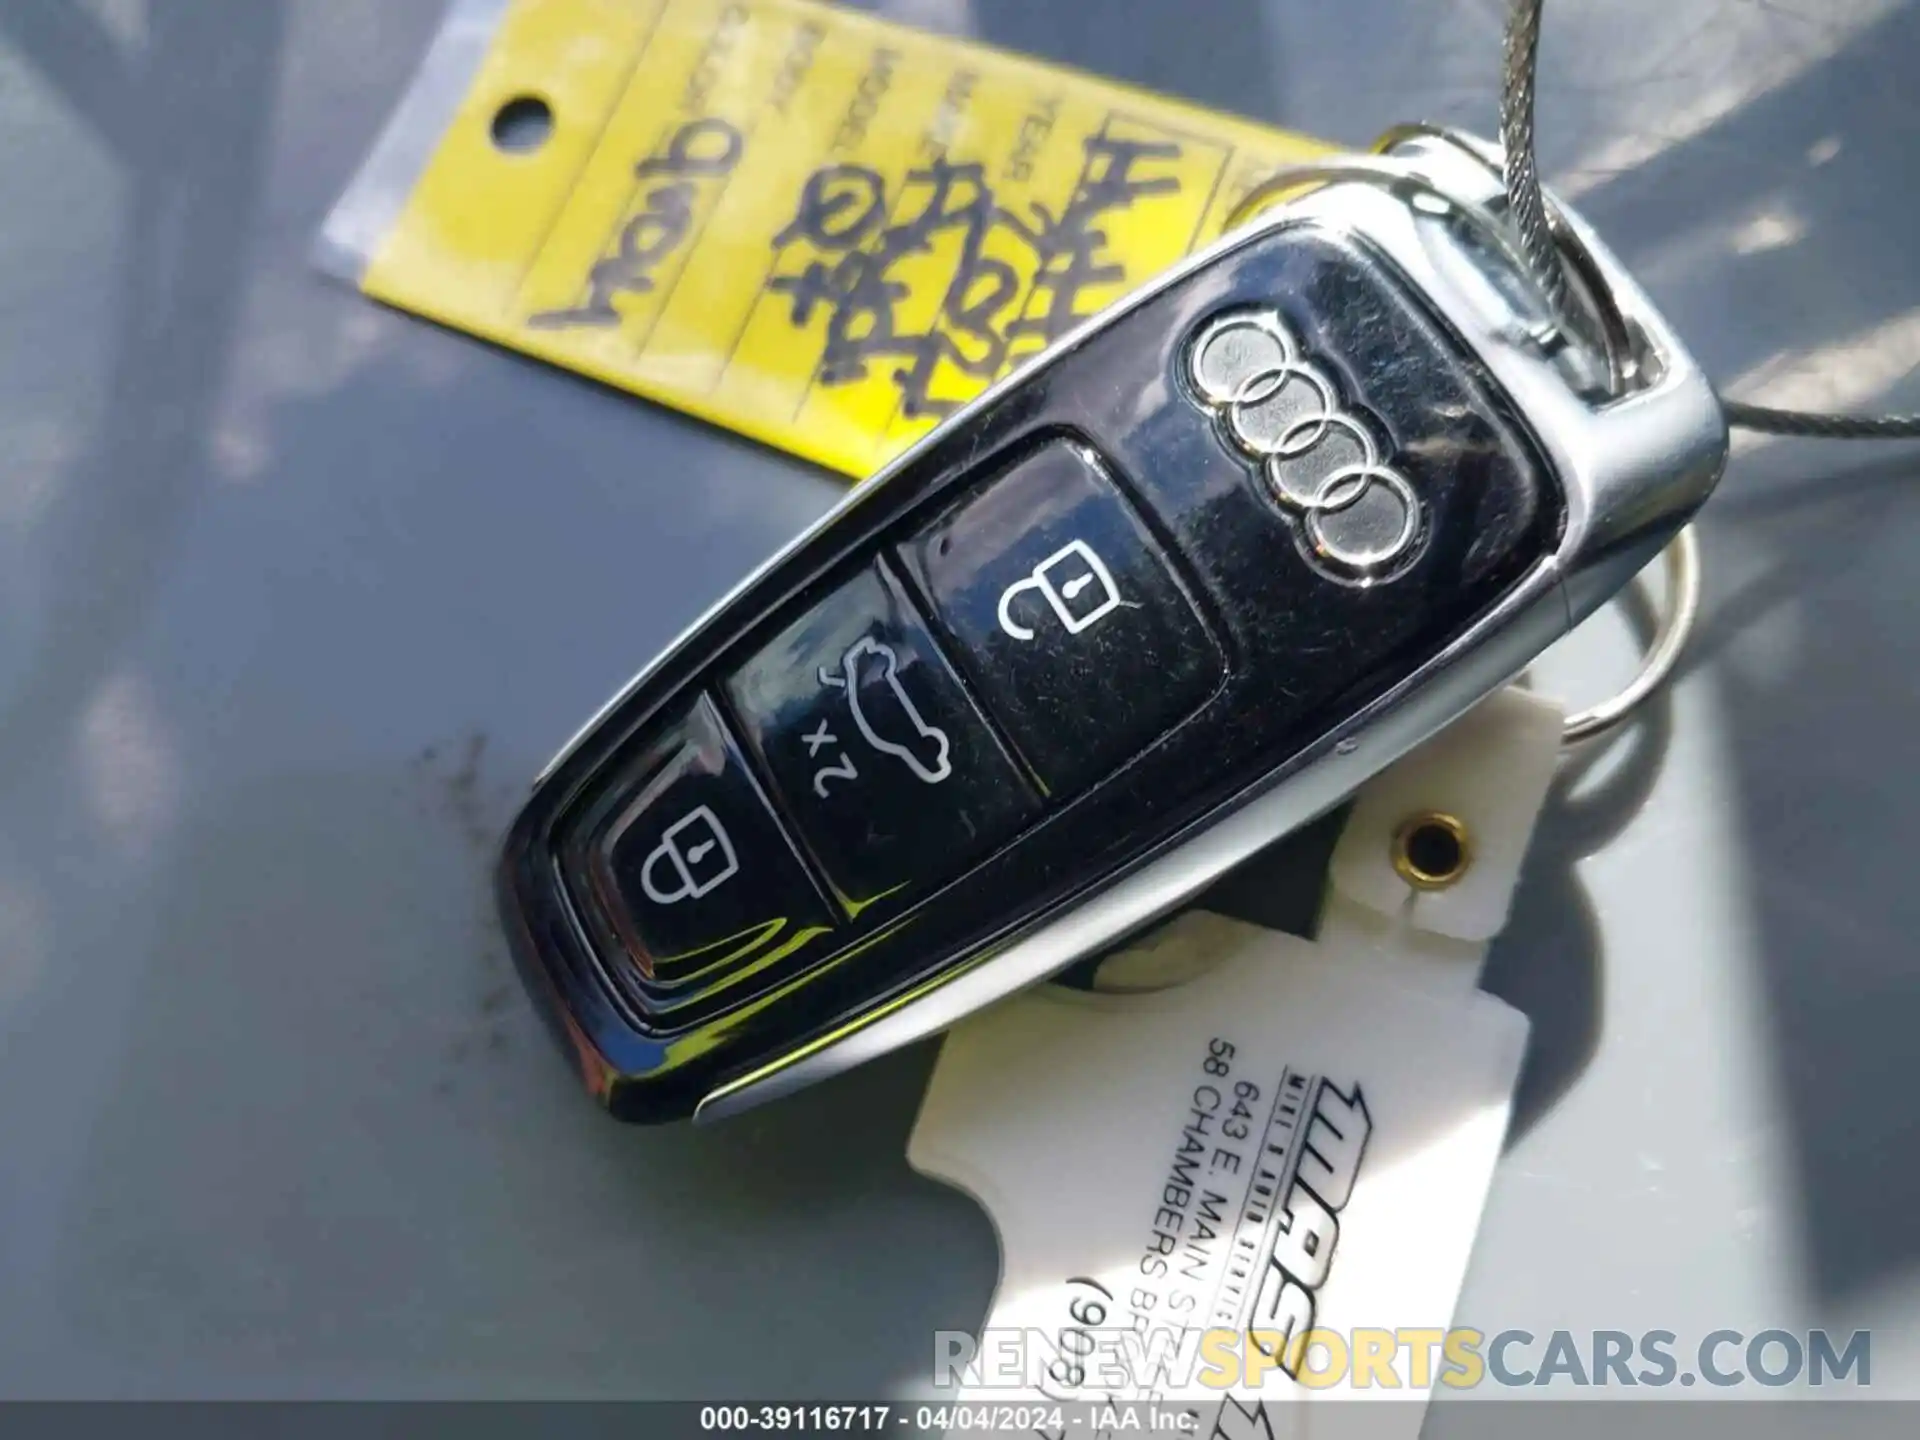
pixel 847 217
pixel 699 150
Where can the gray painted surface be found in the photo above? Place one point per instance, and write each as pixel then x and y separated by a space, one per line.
pixel 296 594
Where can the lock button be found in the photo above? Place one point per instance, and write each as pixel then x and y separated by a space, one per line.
pixel 892 777
pixel 1066 617
pixel 687 871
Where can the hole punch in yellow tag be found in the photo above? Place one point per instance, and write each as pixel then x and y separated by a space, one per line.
pixel 815 228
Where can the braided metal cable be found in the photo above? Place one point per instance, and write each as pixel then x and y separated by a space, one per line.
pixel 1820 425
pixel 1524 199
pixel 1529 210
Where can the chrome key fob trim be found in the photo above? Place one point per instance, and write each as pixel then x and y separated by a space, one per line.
pixel 1170 591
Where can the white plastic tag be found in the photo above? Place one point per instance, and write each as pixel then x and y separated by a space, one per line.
pixel 1257 1182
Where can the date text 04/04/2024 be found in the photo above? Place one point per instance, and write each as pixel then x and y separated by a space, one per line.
pixel 942 1419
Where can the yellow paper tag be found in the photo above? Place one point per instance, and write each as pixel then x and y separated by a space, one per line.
pixel 815 228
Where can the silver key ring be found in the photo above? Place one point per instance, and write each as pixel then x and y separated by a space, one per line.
pixel 1683 610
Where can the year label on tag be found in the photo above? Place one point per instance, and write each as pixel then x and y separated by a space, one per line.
pixel 807 225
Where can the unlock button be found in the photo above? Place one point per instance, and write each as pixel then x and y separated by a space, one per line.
pixel 1074 581
pixel 1066 616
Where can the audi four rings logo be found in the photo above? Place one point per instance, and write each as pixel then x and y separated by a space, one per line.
pixel 1359 516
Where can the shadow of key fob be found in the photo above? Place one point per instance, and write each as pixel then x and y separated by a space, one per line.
pixel 1171 590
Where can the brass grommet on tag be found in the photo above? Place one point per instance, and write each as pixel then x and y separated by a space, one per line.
pixel 1432 851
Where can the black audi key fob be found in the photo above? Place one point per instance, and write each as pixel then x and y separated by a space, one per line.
pixel 1170 591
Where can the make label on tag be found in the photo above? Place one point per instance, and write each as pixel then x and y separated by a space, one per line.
pixel 818 229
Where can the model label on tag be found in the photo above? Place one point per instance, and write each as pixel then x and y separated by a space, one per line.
pixel 818 228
